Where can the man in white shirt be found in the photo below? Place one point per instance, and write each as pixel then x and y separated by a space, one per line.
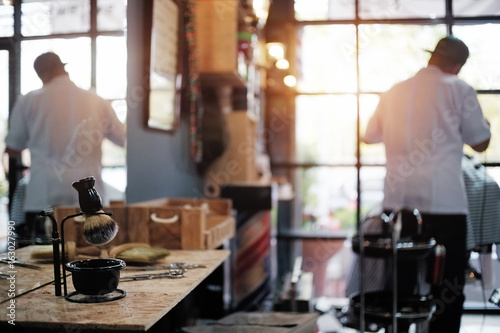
pixel 63 127
pixel 424 123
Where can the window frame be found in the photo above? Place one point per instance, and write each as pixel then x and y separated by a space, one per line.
pixel 13 45
pixel 16 40
pixel 285 166
pixel 282 99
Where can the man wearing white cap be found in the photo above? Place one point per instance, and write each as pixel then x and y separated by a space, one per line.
pixel 424 123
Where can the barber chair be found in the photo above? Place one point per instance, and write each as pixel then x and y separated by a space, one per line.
pixel 410 263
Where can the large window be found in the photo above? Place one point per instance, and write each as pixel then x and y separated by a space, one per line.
pixel 4 110
pixel 89 36
pixel 344 60
pixel 344 54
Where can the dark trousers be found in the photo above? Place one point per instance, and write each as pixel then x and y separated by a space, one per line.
pixel 451 232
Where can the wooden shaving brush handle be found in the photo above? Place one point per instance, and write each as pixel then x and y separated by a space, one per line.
pixel 88 197
pixel 99 228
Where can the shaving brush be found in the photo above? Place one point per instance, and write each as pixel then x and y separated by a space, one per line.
pixel 99 228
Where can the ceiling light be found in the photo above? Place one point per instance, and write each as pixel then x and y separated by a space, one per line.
pixel 290 81
pixel 282 64
pixel 276 50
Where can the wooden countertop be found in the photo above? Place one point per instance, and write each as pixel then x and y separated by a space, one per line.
pixel 146 302
pixel 26 279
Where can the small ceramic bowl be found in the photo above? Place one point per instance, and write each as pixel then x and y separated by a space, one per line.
pixel 95 276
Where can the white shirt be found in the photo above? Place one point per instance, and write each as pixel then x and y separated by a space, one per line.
pixel 424 123
pixel 63 126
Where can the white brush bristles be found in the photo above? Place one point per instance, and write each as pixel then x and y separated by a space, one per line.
pixel 99 229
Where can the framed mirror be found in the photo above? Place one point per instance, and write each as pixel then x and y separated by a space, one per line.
pixel 165 73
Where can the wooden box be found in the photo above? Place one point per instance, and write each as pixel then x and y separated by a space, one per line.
pixel 216 35
pixel 216 26
pixel 181 223
pixel 169 223
pixel 73 228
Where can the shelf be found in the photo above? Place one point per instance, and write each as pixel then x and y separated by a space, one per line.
pixel 217 25
pixel 217 79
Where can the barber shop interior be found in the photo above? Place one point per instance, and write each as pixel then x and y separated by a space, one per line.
pixel 165 167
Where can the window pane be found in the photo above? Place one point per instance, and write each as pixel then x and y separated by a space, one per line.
pixel 120 107
pixel 372 190
pixel 307 10
pixel 35 18
pixel 482 69
pixel 473 8
pixel 116 179
pixel 112 155
pixel 4 102
pixel 327 58
pixel 328 198
pixel 372 153
pixel 392 53
pixel 111 67
pixel 494 172
pixel 75 52
pixel 329 261
pixel 489 104
pixel 392 9
pixel 111 15
pixel 6 20
pixel 45 17
pixel 326 129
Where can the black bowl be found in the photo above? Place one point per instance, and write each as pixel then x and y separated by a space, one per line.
pixel 378 307
pixel 95 276
pixel 380 246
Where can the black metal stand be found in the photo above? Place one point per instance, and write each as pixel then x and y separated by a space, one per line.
pixel 389 309
pixel 390 221
pixel 56 240
pixel 394 237
pixel 64 251
pixel 76 297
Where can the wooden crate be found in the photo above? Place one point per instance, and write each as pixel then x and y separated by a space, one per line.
pixel 216 27
pixel 73 228
pixel 194 223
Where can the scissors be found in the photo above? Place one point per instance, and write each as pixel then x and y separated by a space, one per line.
pixel 18 263
pixel 171 274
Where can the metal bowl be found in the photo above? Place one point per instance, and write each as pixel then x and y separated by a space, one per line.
pixel 95 276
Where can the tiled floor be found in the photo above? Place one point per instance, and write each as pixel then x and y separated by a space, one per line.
pixel 480 324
